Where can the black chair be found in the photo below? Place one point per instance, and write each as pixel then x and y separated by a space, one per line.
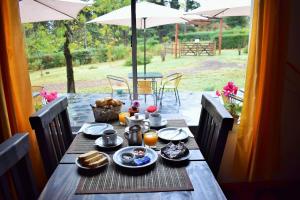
pixel 214 125
pixel 53 132
pixel 15 165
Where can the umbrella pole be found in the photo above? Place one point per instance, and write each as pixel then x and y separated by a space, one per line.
pixel 133 46
pixel 144 45
pixel 220 35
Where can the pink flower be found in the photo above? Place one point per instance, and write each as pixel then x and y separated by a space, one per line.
pixel 218 93
pixel 151 109
pixel 135 104
pixel 48 96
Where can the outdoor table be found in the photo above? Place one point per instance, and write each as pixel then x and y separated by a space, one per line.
pixel 66 178
pixel 149 75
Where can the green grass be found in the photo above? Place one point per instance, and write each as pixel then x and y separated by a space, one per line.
pixel 198 76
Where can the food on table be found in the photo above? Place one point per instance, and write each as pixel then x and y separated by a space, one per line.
pixel 150 138
pixel 127 158
pixel 139 152
pixel 92 159
pixel 175 151
pixel 141 161
pixel 108 103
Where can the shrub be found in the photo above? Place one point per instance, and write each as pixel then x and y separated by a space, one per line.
pixel 119 52
pixel 245 50
pixel 232 41
pixel 140 60
pixel 83 56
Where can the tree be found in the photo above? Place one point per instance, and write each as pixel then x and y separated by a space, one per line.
pixel 174 4
pixel 191 5
pixel 68 57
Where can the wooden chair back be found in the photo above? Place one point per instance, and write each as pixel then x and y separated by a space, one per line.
pixel 214 125
pixel 53 132
pixel 15 168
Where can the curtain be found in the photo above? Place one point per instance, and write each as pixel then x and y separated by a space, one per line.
pixel 15 88
pixel 258 140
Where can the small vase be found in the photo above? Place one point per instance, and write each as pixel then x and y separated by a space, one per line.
pixel 133 110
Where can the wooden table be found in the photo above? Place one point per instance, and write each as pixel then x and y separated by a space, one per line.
pixel 63 182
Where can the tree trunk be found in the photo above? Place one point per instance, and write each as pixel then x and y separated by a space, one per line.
pixel 68 57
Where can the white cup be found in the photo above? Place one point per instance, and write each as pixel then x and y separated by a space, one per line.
pixel 155 119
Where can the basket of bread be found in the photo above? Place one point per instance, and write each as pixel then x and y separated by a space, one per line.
pixel 92 160
pixel 107 109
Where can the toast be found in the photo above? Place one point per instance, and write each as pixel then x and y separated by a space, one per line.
pixel 87 155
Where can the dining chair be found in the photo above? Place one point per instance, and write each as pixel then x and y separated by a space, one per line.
pixel 214 124
pixel 145 88
pixel 16 174
pixel 170 82
pixel 53 132
pixel 118 84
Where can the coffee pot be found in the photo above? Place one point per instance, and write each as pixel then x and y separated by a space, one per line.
pixel 134 135
pixel 138 120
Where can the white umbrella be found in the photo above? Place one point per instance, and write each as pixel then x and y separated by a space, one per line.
pixel 222 8
pixel 46 10
pixel 147 15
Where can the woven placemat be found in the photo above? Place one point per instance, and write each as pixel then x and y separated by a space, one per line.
pixel 112 179
pixel 82 143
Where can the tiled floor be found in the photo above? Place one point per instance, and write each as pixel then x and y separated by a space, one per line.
pixel 80 110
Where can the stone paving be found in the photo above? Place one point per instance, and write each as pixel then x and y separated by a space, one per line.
pixel 80 110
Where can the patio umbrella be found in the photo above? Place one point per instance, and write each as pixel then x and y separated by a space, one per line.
pixel 147 15
pixel 220 9
pixel 46 10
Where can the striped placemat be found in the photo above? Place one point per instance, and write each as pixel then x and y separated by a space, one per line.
pixel 82 143
pixel 112 179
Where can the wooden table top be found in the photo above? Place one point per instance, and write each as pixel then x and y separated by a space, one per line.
pixel 63 183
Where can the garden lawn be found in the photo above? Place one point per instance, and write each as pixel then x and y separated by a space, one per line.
pixel 201 73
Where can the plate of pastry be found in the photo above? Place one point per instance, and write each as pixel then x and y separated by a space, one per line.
pixel 92 160
pixel 175 152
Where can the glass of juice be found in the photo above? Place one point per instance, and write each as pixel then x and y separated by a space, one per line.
pixel 150 138
pixel 122 118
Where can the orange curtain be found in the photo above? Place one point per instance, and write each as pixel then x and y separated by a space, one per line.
pixel 258 142
pixel 15 89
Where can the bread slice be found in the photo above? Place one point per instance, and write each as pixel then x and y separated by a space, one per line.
pixel 87 155
pixel 99 162
pixel 92 159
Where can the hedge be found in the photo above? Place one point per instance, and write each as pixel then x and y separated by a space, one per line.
pixel 233 41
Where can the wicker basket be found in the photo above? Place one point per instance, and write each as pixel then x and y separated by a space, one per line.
pixel 104 114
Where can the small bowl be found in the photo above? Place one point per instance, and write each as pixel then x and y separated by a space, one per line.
pixel 127 158
pixel 139 152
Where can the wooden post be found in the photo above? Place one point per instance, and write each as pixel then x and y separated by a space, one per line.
pixel 220 35
pixel 176 39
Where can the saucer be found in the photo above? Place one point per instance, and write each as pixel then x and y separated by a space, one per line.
pixel 163 122
pixel 99 142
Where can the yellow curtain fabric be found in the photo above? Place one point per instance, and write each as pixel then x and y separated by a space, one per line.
pixel 15 89
pixel 258 141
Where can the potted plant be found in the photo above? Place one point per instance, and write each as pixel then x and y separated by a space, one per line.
pixel 231 103
pixel 134 108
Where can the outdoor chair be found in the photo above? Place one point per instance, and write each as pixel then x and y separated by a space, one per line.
pixel 145 88
pixel 118 84
pixel 15 167
pixel 170 82
pixel 53 132
pixel 214 125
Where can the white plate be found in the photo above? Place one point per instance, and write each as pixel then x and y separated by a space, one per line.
pixel 97 128
pixel 175 160
pixel 99 142
pixel 172 134
pixel 149 152
pixel 83 167
pixel 163 122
